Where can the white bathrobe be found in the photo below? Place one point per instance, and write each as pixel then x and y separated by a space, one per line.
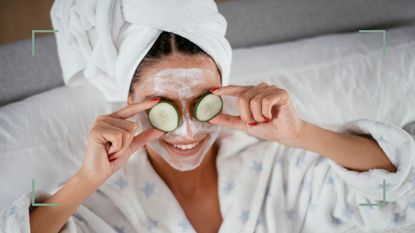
pixel 263 187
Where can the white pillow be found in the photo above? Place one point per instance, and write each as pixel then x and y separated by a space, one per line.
pixel 332 79
pixel 44 137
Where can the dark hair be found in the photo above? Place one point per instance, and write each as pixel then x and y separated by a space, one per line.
pixel 166 44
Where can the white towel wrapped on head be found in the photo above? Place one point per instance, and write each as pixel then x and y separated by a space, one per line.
pixel 104 41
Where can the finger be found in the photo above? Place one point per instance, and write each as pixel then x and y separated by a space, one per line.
pixel 135 143
pixel 107 135
pixel 123 135
pixel 231 90
pixel 256 104
pixel 143 138
pixel 229 121
pixel 131 109
pixel 126 125
pixel 278 98
pixel 124 148
pixel 244 102
pixel 120 153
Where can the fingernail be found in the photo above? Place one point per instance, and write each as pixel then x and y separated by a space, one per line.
pixel 112 159
pixel 155 99
pixel 267 120
pixel 252 123
pixel 214 89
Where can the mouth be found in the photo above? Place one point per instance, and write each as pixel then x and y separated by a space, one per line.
pixel 184 149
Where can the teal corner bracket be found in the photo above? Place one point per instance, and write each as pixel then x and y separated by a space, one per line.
pixel 34 36
pixel 381 203
pixel 383 36
pixel 33 197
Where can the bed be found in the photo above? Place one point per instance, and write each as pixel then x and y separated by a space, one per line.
pixel 333 72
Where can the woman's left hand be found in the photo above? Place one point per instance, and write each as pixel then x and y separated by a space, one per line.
pixel 266 111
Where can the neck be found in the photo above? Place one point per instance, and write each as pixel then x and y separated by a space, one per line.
pixel 186 183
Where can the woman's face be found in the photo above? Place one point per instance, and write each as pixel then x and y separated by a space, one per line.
pixel 182 79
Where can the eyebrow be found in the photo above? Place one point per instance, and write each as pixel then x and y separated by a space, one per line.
pixel 164 96
pixel 167 96
pixel 154 95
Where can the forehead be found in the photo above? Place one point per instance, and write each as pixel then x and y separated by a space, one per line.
pixel 182 77
pixel 180 82
pixel 201 62
pixel 179 76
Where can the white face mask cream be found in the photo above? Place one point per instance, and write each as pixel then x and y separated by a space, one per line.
pixel 185 147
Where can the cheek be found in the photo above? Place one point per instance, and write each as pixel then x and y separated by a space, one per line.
pixel 213 78
pixel 132 98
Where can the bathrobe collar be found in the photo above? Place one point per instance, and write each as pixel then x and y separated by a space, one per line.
pixel 244 166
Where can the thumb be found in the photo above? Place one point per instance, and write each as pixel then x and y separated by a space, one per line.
pixel 145 137
pixel 228 121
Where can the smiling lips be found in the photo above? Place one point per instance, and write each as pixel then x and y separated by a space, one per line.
pixel 184 148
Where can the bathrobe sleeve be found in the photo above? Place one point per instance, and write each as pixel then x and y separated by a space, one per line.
pixel 15 217
pixel 376 199
pixel 96 214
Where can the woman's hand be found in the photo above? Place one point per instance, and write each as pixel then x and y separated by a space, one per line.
pixel 112 141
pixel 266 111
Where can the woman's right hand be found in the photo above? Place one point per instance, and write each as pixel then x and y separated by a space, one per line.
pixel 112 141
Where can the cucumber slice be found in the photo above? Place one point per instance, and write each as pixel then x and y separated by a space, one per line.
pixel 208 106
pixel 164 116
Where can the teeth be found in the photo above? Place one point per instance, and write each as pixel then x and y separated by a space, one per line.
pixel 187 146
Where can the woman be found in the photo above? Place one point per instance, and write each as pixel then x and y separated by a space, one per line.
pixel 266 171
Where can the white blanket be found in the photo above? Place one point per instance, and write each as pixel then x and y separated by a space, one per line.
pixel 263 187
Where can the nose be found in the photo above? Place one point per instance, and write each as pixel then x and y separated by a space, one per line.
pixel 189 130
